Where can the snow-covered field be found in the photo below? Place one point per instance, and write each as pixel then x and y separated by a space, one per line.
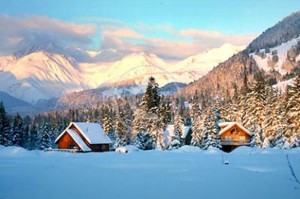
pixel 185 173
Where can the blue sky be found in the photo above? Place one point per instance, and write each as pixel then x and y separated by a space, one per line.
pixel 144 25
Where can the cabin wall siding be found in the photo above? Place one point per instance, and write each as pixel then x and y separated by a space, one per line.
pixel 65 141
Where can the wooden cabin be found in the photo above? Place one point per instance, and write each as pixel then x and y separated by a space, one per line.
pixel 233 135
pixel 186 136
pixel 85 137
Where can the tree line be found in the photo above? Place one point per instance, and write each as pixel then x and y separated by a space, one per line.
pixel 273 117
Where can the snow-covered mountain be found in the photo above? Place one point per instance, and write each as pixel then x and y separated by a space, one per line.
pixel 47 71
pixel 40 75
pixel 205 61
pixel 276 51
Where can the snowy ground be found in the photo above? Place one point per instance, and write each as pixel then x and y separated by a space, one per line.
pixel 185 173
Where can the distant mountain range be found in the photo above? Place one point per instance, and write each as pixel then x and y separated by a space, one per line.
pixel 47 71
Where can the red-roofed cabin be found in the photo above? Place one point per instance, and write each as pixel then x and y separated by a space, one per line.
pixel 233 135
pixel 83 137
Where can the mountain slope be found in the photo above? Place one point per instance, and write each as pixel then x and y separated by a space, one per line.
pixel 285 30
pixel 39 75
pixel 276 52
pixel 11 102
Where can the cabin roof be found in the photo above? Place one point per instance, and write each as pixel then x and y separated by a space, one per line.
pixel 92 132
pixel 78 140
pixel 229 125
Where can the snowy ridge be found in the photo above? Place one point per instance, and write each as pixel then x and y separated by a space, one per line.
pixel 208 59
pixel 281 86
pixel 282 57
pixel 37 74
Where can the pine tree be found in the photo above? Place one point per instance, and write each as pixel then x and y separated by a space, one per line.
pixel 33 142
pixel 293 113
pixel 216 129
pixel 147 119
pixel 120 131
pixel 271 125
pixel 178 132
pixel 196 123
pixel 46 136
pixel 257 138
pixel 107 126
pixel 255 109
pixel 5 138
pixel 17 131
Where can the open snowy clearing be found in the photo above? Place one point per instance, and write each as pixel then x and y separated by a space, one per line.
pixel 185 173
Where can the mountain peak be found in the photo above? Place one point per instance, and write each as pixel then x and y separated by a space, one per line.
pixel 32 44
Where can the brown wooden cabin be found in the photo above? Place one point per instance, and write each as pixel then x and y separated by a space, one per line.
pixel 85 137
pixel 233 135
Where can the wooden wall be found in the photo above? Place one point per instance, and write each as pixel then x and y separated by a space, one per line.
pixel 65 141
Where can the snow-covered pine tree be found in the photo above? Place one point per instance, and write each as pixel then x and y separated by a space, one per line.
pixel 208 132
pixel 282 138
pixel 243 97
pixel 17 131
pixel 271 123
pixel 157 132
pixel 120 131
pixel 293 113
pixel 196 123
pixel 46 136
pixel 34 140
pixel 216 129
pixel 145 116
pixel 4 124
pixel 107 126
pixel 176 141
pixel 140 135
pixel 255 109
pixel 257 137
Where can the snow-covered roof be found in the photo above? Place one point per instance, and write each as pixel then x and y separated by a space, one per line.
pixel 78 140
pixel 223 124
pixel 92 132
pixel 228 125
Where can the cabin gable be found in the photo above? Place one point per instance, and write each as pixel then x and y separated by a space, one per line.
pixel 67 142
pixel 233 135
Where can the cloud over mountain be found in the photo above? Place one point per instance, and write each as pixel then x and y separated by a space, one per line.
pixel 37 30
pixel 37 33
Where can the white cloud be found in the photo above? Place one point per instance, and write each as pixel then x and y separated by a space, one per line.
pixel 16 30
pixel 185 42
pixel 161 39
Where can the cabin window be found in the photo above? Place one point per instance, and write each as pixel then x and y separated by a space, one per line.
pixel 242 138
pixel 103 147
pixel 234 131
pixel 71 146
